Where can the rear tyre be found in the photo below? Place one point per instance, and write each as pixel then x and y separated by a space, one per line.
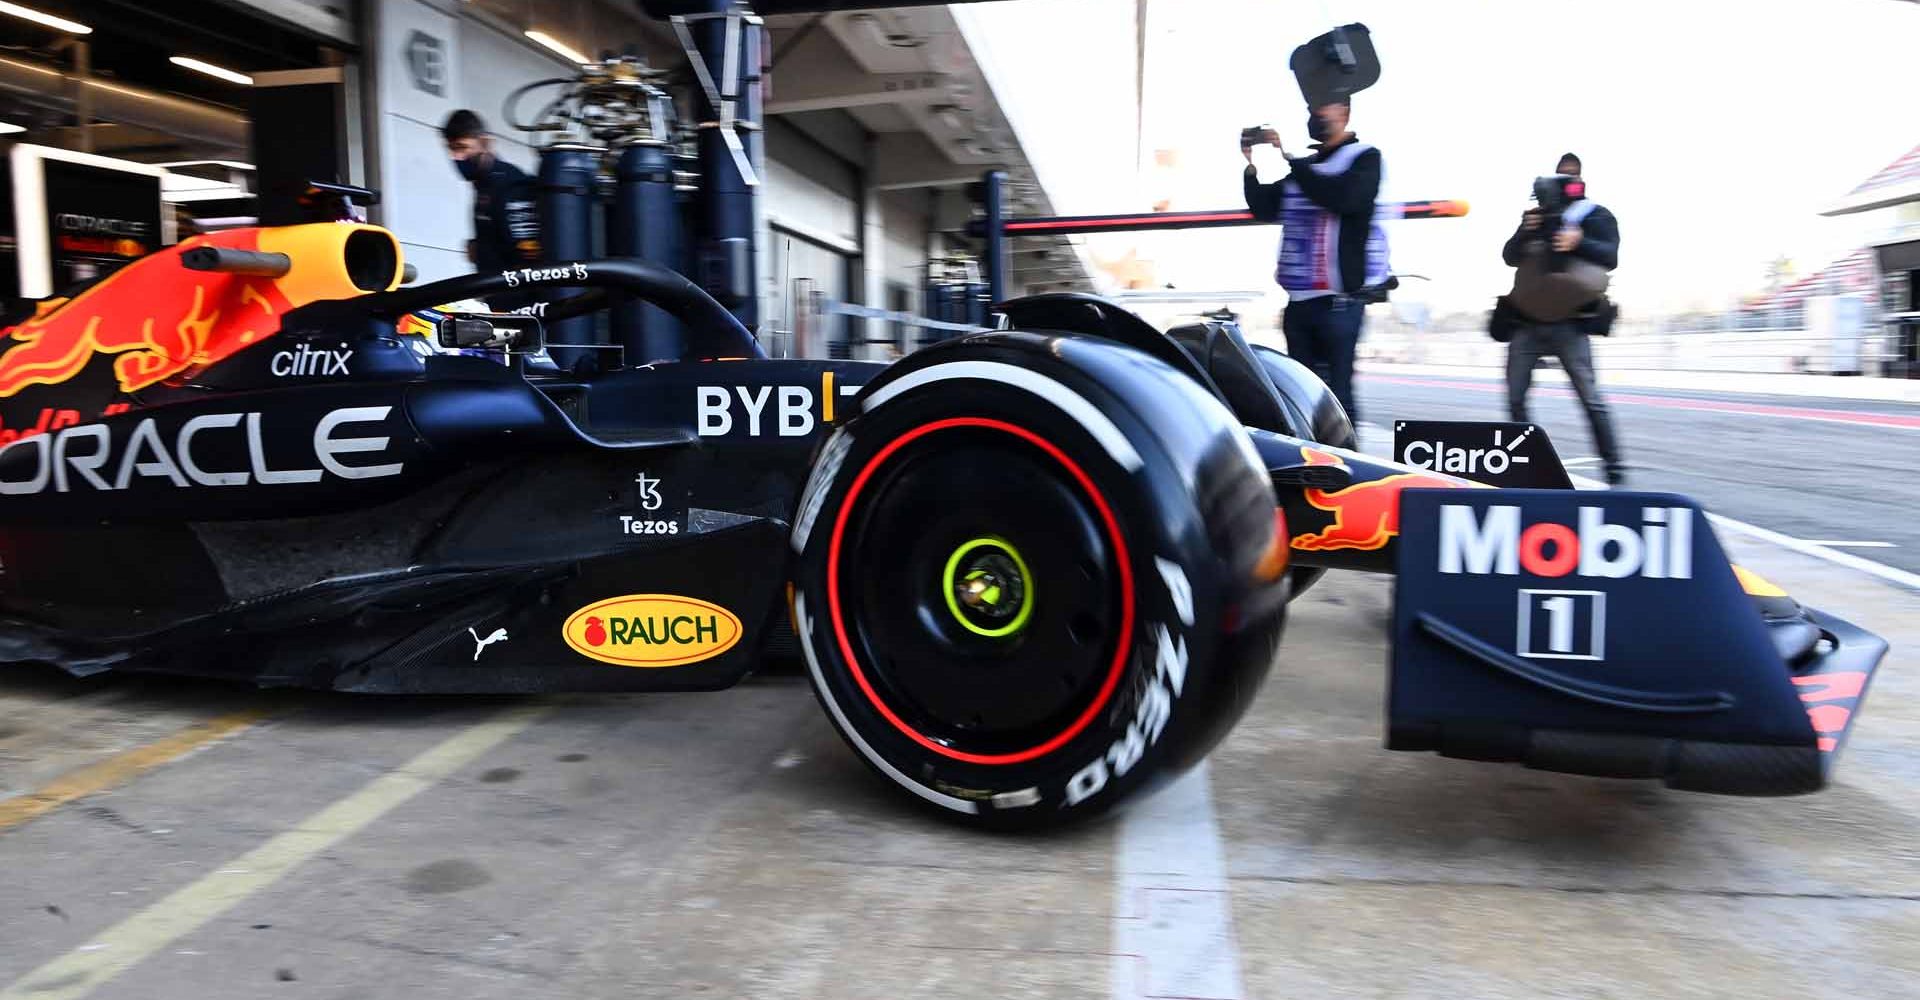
pixel 1011 604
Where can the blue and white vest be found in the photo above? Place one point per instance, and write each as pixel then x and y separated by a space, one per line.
pixel 1310 236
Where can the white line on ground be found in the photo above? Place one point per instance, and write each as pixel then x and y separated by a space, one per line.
pixel 1587 460
pixel 126 944
pixel 1842 544
pixel 1173 914
pixel 1818 550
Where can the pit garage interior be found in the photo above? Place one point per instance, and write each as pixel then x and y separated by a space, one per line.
pixel 876 123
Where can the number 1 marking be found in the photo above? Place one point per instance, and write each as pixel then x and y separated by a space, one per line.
pixel 1560 626
pixel 1564 611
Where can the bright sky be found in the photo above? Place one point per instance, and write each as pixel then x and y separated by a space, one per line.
pixel 1716 130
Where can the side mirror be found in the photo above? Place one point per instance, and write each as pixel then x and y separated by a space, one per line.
pixel 517 332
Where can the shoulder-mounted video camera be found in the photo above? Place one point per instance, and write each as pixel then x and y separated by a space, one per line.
pixel 1551 195
pixel 1334 66
pixel 1555 192
pixel 1550 286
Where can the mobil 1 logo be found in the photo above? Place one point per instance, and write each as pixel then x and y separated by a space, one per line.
pixel 1506 455
pixel 1562 625
pixel 1559 574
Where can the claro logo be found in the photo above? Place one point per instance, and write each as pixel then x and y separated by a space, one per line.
pixel 95 457
pixel 1660 547
pixel 652 630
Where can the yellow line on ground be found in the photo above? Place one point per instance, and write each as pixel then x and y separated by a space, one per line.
pixel 122 767
pixel 126 944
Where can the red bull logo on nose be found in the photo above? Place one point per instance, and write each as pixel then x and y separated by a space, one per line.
pixel 1366 516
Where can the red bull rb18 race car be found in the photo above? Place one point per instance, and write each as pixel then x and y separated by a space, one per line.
pixel 1029 573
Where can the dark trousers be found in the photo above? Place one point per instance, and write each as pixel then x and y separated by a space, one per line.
pixel 1322 333
pixel 1562 341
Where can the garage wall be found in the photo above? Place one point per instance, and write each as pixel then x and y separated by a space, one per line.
pixel 417 68
pixel 432 60
pixel 492 66
pixel 810 190
pixel 798 269
pixel 904 220
pixel 812 210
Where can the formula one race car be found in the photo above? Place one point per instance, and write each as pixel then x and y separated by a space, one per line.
pixel 1029 572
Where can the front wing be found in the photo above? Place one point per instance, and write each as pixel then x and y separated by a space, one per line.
pixel 1605 633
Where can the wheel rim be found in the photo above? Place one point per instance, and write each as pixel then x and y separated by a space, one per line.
pixel 989 588
pixel 983 682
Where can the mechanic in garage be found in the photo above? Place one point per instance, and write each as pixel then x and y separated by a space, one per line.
pixel 1589 236
pixel 1330 246
pixel 506 221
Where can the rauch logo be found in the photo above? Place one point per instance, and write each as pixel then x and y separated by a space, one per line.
pixel 652 630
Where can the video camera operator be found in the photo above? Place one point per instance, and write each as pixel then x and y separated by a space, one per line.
pixel 1333 255
pixel 1562 253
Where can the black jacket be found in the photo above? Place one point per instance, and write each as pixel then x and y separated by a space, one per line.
pixel 506 220
pixel 1350 195
pixel 1599 240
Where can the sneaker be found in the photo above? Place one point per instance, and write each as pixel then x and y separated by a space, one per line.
pixel 1616 475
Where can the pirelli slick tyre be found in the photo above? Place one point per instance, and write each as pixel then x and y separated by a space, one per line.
pixel 1036 576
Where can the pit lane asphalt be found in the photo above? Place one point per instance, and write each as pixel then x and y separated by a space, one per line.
pixel 729 845
pixel 1812 479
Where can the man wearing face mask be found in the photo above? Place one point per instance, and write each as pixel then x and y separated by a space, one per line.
pixel 1558 303
pixel 1331 246
pixel 506 222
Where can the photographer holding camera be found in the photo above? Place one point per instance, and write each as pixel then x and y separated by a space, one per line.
pixel 1562 254
pixel 1333 255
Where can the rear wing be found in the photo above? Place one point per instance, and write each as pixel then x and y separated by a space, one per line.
pixel 1606 634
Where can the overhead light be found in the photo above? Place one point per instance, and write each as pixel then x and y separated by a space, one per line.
pixel 559 47
pixel 39 17
pixel 9 128
pixel 217 72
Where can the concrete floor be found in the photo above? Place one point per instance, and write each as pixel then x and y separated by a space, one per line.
pixel 728 845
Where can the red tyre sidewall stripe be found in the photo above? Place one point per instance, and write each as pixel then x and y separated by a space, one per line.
pixel 1114 671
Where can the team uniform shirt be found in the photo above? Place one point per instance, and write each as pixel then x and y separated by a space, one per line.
pixel 506 219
